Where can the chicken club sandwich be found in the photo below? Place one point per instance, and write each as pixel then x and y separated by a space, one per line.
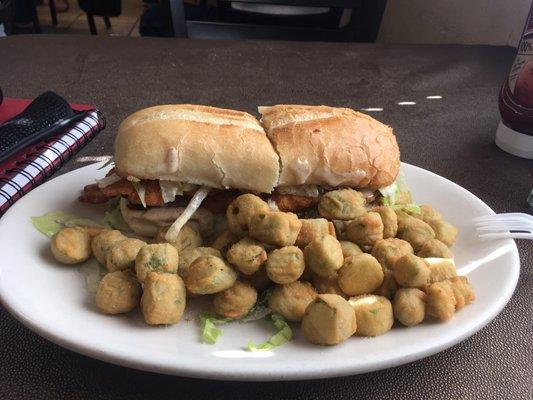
pixel 175 163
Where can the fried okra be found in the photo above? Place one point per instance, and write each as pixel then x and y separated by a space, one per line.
pixel 71 245
pixel 373 314
pixel 328 320
pixel 343 204
pixel 417 233
pixel 102 242
pixel 188 237
pixel 118 292
pixel 285 265
pixel 247 255
pixel 241 210
pixel 441 269
pixel 224 241
pixel 444 231
pixel 259 280
pixel 163 299
pixel 389 220
pixel 324 255
pixel 409 306
pixel 366 229
pixel 434 248
pixel 312 229
pixel 462 290
pixel 275 227
pixel 292 299
pixel 186 257
pixel 389 286
pixel 236 301
pixel 208 275
pixel 350 249
pixel 429 213
pixel 328 284
pixel 361 274
pixel 158 257
pixel 122 255
pixel 388 251
pixel 411 271
pixel 440 300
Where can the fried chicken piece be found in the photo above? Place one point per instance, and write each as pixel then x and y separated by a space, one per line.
pixel 293 202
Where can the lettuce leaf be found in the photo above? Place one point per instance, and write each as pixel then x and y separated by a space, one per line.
pixel 113 218
pixel 50 223
pixel 391 194
pixel 283 336
pixel 93 272
pixel 208 322
pixel 210 332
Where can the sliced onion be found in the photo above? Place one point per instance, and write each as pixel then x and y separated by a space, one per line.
pixel 194 204
pixel 108 180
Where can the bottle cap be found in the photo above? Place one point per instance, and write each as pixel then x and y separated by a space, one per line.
pixel 514 142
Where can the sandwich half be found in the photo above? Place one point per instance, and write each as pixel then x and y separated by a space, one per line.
pixel 179 162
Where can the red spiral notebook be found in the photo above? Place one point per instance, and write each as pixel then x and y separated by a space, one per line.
pixel 34 164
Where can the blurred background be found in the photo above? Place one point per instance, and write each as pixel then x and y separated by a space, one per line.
pixel 494 22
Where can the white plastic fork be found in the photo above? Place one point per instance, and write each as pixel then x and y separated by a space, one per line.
pixel 505 226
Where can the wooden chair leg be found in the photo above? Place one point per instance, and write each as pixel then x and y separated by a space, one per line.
pixel 92 25
pixel 53 12
pixel 107 22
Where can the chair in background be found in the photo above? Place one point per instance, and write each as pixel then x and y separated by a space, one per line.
pixel 362 26
pixel 6 18
pixel 102 8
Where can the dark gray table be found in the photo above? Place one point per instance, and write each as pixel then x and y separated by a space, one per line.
pixel 452 136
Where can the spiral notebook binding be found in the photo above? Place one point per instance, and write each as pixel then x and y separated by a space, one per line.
pixel 28 169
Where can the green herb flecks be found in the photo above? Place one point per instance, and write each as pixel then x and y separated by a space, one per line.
pixel 154 263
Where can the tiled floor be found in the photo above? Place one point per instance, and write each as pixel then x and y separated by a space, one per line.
pixel 74 20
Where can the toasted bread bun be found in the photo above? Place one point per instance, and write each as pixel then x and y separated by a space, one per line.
pixel 331 146
pixel 197 144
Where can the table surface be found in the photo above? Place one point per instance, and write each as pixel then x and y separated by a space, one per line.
pixel 452 136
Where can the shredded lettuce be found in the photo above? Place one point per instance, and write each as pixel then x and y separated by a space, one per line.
pixel 108 163
pixel 52 222
pixel 391 194
pixel 210 331
pixel 141 192
pixel 113 218
pixel 93 273
pixel 208 322
pixel 283 336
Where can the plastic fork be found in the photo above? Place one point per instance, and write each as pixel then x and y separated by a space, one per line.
pixel 505 226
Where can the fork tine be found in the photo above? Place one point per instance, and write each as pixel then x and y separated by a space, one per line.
pixel 504 228
pixel 498 217
pixel 489 236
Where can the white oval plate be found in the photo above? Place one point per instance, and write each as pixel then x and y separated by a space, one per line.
pixel 52 300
